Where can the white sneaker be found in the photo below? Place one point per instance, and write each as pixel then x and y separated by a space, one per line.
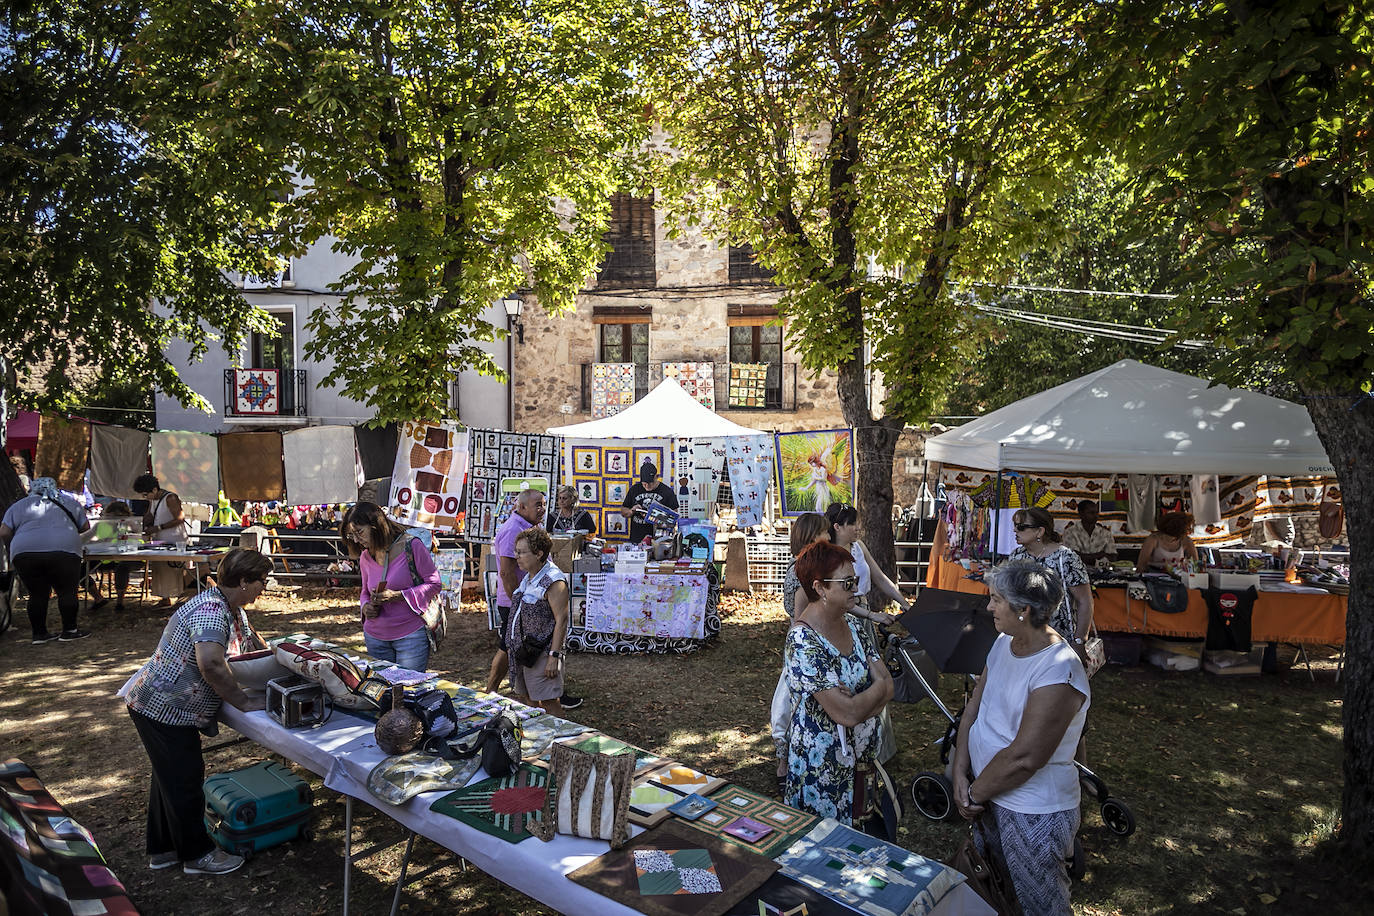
pixel 214 862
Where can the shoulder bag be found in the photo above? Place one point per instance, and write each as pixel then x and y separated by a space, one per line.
pixel 1167 594
pixel 984 877
pixel 436 618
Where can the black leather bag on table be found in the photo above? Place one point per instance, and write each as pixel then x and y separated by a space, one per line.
pixel 498 743
pixel 1166 594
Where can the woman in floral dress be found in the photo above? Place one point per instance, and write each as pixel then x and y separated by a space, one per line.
pixel 841 682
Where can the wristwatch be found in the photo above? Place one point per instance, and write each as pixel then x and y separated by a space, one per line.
pixel 557 655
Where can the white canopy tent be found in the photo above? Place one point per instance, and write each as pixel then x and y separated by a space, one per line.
pixel 667 412
pixel 1133 418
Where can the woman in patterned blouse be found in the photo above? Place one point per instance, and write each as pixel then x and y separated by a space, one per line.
pixel 175 697
pixel 1037 540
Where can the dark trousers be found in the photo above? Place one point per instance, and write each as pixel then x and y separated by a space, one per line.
pixel 43 574
pixel 176 799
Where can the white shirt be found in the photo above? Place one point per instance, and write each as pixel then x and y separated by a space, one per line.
pixel 1081 542
pixel 1010 680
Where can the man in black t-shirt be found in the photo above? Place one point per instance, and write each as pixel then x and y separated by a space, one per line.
pixel 648 491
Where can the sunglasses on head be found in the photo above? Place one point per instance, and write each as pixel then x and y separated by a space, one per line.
pixel 1028 526
pixel 849 583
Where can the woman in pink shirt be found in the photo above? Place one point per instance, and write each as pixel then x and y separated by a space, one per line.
pixel 399 581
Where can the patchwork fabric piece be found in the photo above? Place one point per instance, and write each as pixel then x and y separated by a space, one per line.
pixel 504 807
pixel 663 606
pixel 251 466
pixel 396 780
pixel 864 872
pixel 750 460
pixel 708 466
pixel 784 896
pixel 52 863
pixel 748 384
pixel 187 464
pixel 815 469
pixel 428 476
pixel 674 869
pixel 450 562
pixel 582 639
pixel 498 456
pixel 697 468
pixel 733 802
pixel 257 391
pixel 649 802
pixel 697 379
pixel 321 465
pixel 62 452
pixel 613 388
pixel 603 475
pixel 118 455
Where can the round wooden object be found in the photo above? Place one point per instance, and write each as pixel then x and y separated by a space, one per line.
pixel 399 730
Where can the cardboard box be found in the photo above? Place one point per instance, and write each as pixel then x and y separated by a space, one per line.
pixel 566 548
pixel 1238 581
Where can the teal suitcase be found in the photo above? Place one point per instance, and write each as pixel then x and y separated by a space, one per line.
pixel 258 807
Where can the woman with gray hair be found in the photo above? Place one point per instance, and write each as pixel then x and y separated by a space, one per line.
pixel 1014 761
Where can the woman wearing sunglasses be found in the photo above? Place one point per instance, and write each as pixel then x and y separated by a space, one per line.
pixel 841 684
pixel 873 582
pixel 1037 540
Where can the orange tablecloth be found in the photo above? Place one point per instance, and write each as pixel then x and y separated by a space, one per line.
pixel 1278 617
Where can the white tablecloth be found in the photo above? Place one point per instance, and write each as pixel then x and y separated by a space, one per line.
pixel 343 751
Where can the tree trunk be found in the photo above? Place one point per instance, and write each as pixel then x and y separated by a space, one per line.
pixel 1348 436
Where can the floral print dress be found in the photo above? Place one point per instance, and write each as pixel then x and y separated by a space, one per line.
pixel 819 779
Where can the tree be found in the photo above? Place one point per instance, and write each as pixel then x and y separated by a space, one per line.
pixel 1248 123
pixel 1097 242
pixel 102 218
pixel 834 135
pixel 456 152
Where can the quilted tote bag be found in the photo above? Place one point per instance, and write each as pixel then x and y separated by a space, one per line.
pixel 252 670
pixel 1094 651
pixel 349 686
pixel 589 795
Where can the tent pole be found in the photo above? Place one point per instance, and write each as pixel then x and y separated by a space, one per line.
pixel 997 506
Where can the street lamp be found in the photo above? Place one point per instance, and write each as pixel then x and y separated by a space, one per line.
pixel 514 305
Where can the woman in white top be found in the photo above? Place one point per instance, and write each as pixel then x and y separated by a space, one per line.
pixel 1014 761
pixel 1167 544
pixel 164 521
pixel 844 532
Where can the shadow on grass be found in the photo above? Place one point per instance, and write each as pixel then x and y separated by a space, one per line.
pixel 1230 780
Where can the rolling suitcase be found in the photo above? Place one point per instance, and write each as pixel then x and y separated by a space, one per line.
pixel 257 808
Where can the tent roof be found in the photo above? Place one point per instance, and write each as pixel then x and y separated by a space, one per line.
pixel 1134 418
pixel 663 413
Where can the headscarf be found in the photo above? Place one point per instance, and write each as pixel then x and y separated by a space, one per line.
pixel 44 488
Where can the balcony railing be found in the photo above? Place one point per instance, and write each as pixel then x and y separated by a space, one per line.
pixel 265 393
pixel 780 391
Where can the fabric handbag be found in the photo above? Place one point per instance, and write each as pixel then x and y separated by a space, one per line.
pixel 434 708
pixel 984 876
pixel 348 685
pixel 877 807
pixel 500 743
pixel 436 618
pixel 1094 651
pixel 530 650
pixel 589 795
pixel 1166 594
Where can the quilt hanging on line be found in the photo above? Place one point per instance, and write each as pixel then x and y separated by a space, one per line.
pixel 427 478
pixel 498 456
pixel 62 452
pixel 697 379
pixel 322 465
pixel 815 469
pixel 613 388
pixel 867 873
pixel 750 460
pixel 118 456
pixel 662 606
pixel 187 464
pixel 603 470
pixel 748 385
pixel 250 466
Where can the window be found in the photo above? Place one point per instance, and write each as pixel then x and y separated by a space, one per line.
pixel 760 343
pixel 275 352
pixel 745 270
pixel 631 235
pixel 627 343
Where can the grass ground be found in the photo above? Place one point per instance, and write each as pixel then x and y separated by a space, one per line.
pixel 1235 783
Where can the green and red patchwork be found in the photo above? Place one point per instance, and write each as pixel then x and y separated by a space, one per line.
pixel 502 806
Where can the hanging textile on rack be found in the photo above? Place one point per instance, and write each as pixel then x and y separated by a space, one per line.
pixel 427 479
pixel 1018 492
pixel 750 460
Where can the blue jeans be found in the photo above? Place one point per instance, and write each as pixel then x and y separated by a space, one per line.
pixel 410 651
